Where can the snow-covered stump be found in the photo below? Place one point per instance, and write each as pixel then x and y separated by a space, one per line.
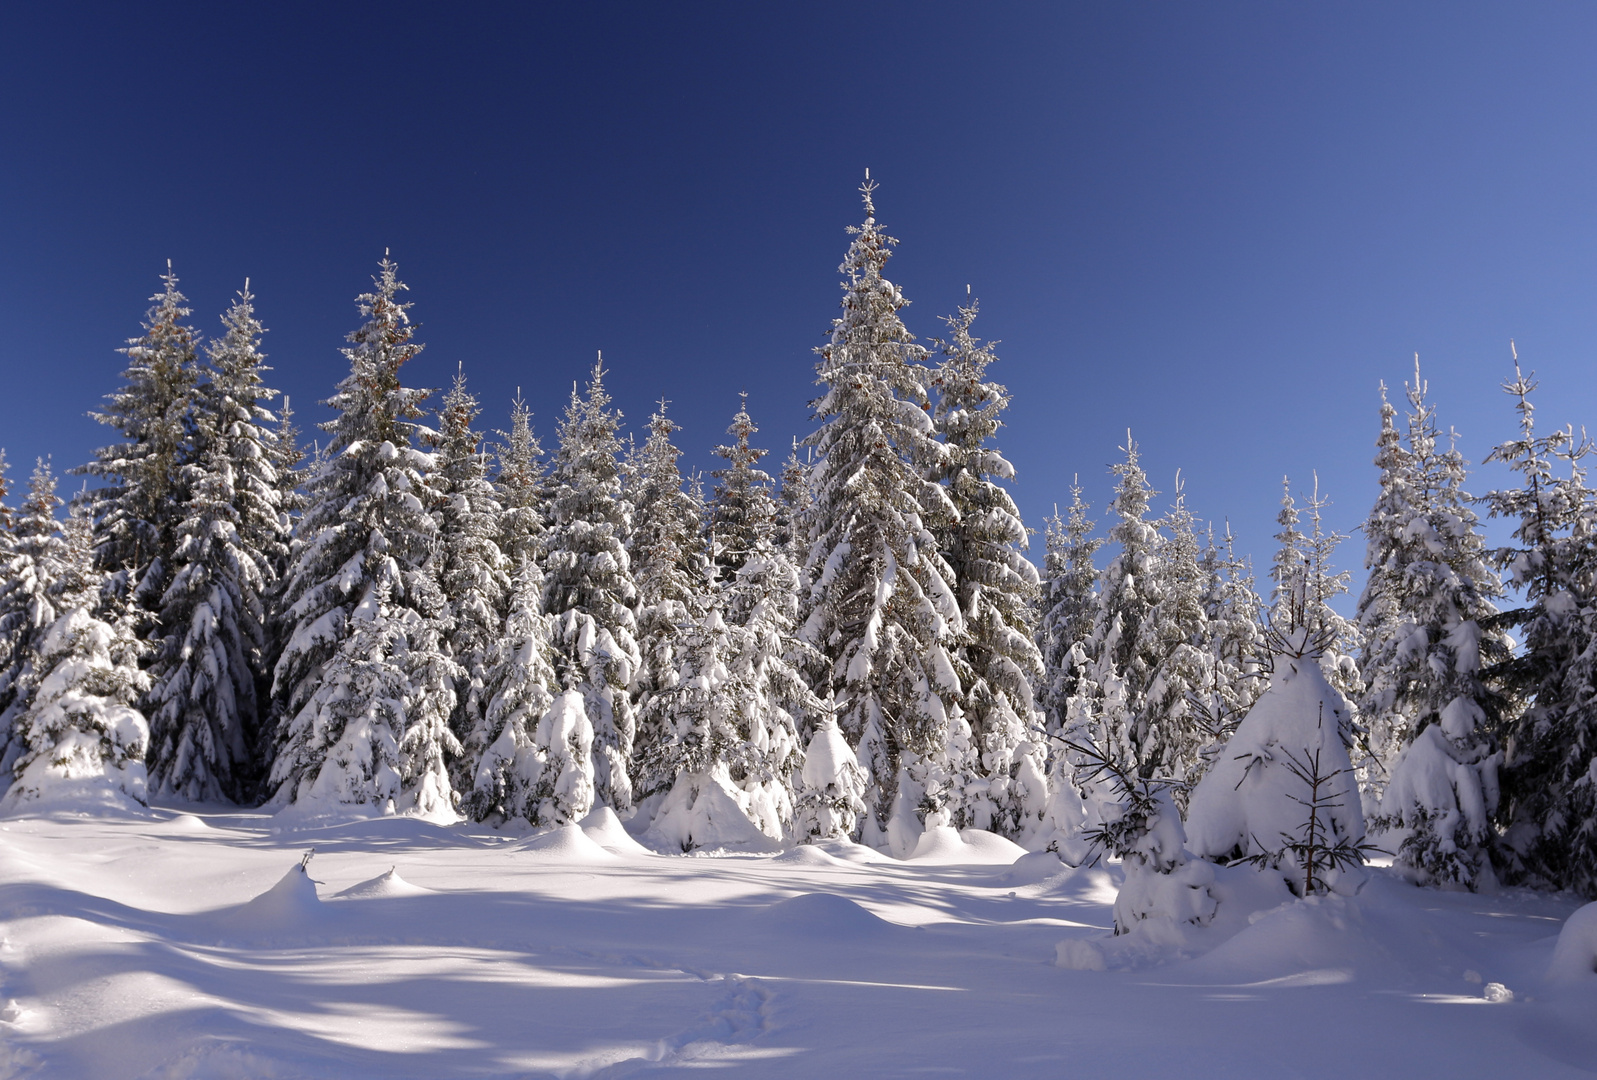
pixel 831 795
pixel 1282 793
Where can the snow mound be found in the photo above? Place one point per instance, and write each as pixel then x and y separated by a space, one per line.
pixel 945 844
pixel 291 904
pixel 989 847
pixel 1316 941
pixel 1575 955
pixel 92 797
pixel 806 855
pixel 568 843
pixel 824 915
pixel 604 828
pixel 383 885
pixel 850 852
pixel 1032 868
pixel 189 823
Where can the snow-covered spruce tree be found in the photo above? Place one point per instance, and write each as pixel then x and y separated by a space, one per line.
pixel 1549 803
pixel 1234 640
pixel 1303 586
pixel 516 775
pixel 997 589
pixel 1428 597
pixel 795 506
pixel 706 707
pixel 77 732
pixel 740 697
pixel 523 489
pixel 209 670
pixel 1177 626
pixel 34 575
pixel 743 512
pixel 138 510
pixel 1125 646
pixel 881 607
pixel 589 589
pixel 471 569
pixel 363 598
pixel 672 574
pixel 1068 602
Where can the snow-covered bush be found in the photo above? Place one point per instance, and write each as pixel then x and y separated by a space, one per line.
pixel 1282 792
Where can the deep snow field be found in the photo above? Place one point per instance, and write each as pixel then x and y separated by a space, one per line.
pixel 183 945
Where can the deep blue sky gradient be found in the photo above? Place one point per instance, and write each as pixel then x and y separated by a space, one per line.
pixel 1217 225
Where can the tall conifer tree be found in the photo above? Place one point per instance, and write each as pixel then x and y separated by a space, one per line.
pixel 1549 799
pixel 137 512
pixel 364 688
pixel 882 607
pixel 997 588
pixel 589 588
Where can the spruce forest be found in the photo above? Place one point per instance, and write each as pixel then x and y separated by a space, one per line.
pixel 417 617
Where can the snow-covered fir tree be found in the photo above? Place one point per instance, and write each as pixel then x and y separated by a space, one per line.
pixel 794 507
pixel 1549 799
pixel 1425 613
pixel 471 568
pixel 670 568
pixel 210 668
pixel 514 776
pixel 1067 603
pixel 31 599
pixel 77 732
pixel 1178 629
pixel 830 798
pixel 363 597
pixel 589 589
pixel 740 698
pixel 743 512
pixel 881 606
pixel 138 509
pixel 1126 647
pixel 997 589
pixel 1234 640
pixel 1304 584
pixel 523 489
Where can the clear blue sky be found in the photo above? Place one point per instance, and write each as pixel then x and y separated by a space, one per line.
pixel 1217 225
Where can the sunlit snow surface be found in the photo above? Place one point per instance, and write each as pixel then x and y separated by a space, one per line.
pixel 189 946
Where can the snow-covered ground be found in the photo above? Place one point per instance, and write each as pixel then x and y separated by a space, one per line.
pixel 180 945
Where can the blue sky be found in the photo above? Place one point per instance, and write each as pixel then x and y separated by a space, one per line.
pixel 1219 226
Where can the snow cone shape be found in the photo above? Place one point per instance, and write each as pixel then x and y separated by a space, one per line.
pixel 292 904
pixel 703 810
pixel 831 798
pixel 1575 955
pixel 379 887
pixel 1259 801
